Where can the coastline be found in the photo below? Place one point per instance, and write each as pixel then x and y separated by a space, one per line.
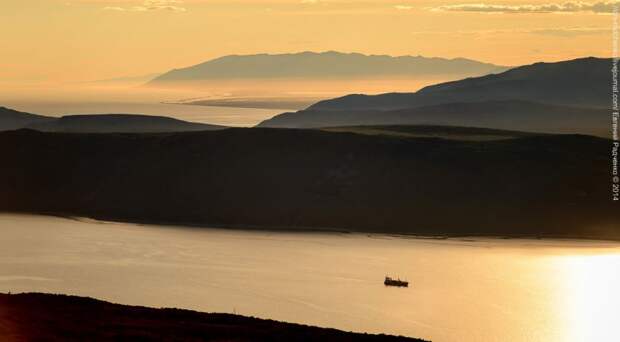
pixel 270 103
pixel 323 230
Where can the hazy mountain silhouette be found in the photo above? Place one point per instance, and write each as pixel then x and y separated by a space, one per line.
pixel 579 82
pixel 505 114
pixel 325 65
pixel 550 185
pixel 98 123
pixel 11 119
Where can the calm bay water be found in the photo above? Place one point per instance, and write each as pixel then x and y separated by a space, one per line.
pixel 461 289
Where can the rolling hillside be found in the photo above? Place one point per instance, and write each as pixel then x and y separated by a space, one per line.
pixel 544 185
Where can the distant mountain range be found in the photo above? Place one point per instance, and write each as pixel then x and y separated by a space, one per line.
pixel 515 184
pixel 579 82
pixel 562 97
pixel 567 97
pixel 326 65
pixel 97 123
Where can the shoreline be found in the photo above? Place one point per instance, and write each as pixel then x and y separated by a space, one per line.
pixel 322 230
pixel 251 103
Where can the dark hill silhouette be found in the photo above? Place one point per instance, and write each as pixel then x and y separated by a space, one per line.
pixel 579 82
pixel 98 123
pixel 505 114
pixel 119 123
pixel 325 65
pixel 12 119
pixel 547 185
pixel 48 317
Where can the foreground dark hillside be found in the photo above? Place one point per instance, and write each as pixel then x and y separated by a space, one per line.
pixel 280 178
pixel 44 317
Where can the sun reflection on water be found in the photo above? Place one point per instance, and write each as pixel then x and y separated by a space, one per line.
pixel 590 297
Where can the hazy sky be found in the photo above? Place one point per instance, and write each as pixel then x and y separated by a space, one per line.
pixel 74 40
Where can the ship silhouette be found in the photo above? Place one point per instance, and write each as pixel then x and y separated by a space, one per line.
pixel 395 282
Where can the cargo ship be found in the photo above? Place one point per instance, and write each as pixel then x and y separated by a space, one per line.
pixel 395 282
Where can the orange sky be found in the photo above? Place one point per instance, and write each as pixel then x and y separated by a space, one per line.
pixel 80 40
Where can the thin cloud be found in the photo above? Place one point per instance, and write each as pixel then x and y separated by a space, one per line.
pixel 566 7
pixel 403 7
pixel 151 5
pixel 553 31
pixel 572 31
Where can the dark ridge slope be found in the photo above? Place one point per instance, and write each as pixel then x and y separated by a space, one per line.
pixel 11 119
